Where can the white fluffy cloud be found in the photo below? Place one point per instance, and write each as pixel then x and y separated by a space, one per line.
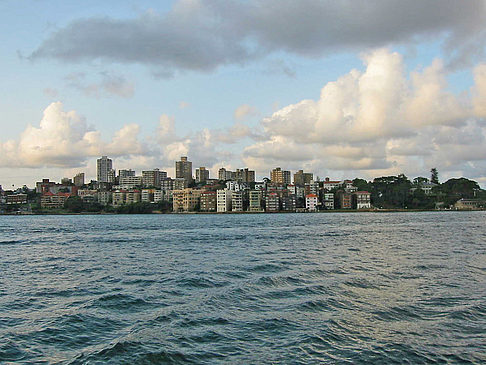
pixel 380 121
pixel 64 139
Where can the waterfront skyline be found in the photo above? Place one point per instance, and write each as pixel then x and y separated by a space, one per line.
pixel 229 84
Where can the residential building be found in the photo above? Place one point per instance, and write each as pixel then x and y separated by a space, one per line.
pixel 237 201
pixel 288 202
pixel 16 199
pixel 183 169
pixel 223 200
pixel 104 170
pixel 79 179
pixel 362 200
pixel 255 204
pixel 162 195
pixel 244 175
pixel 167 184
pixel 148 195
pixel 345 199
pixel 51 200
pixel 88 195
pixel 467 204
pixel 272 202
pixel 331 184
pixel 104 197
pixel 133 196
pixel 301 178
pixel 66 181
pixel 129 182
pixel 312 187
pixel 125 173
pixel 328 201
pixel 234 185
pixel 186 200
pixel 119 197
pixel 279 176
pixel 180 183
pixel 152 178
pixel 208 201
pixel 202 174
pixel 224 174
pixel 311 201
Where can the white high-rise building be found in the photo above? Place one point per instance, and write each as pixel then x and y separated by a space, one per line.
pixel 104 169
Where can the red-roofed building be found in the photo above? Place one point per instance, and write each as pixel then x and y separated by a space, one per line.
pixel 311 201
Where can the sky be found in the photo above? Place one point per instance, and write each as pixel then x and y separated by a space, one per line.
pixel 342 89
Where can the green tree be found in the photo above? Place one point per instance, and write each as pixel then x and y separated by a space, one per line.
pixel 74 204
pixel 434 176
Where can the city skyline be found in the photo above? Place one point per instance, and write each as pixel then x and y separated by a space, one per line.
pixel 361 94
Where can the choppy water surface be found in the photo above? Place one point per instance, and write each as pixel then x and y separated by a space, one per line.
pixel 284 288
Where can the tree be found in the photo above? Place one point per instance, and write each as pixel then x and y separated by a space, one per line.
pixel 74 204
pixel 434 176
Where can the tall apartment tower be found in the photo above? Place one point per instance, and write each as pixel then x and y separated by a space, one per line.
pixel 279 176
pixel 104 169
pixel 79 179
pixel 184 169
pixel 301 178
pixel 202 174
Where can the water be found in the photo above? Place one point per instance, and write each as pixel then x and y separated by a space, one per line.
pixel 209 289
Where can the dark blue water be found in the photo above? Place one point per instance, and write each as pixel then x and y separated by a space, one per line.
pixel 208 289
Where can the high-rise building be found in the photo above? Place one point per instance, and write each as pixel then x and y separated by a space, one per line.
pixel 224 174
pixel 79 179
pixel 301 178
pixel 245 175
pixel 126 173
pixel 279 176
pixel 202 174
pixel 104 169
pixel 184 169
pixel 153 177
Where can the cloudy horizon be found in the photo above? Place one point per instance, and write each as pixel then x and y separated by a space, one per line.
pixel 341 89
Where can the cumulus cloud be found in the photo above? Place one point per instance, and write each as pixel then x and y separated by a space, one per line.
pixel 108 85
pixel 64 139
pixel 203 35
pixel 380 120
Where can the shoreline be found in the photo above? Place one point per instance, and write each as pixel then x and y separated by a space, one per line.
pixel 246 212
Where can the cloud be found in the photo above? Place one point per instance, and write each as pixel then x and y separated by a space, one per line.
pixel 64 139
pixel 204 35
pixel 380 120
pixel 109 85
pixel 48 91
pixel 244 111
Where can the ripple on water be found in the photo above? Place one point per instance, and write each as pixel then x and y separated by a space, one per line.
pixel 291 289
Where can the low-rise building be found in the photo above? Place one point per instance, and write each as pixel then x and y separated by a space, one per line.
pixel 362 200
pixel 13 199
pixel 328 201
pixel 311 201
pixel 467 204
pixel 54 200
pixel 288 202
pixel 186 200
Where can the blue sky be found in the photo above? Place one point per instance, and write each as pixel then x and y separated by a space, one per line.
pixel 228 82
